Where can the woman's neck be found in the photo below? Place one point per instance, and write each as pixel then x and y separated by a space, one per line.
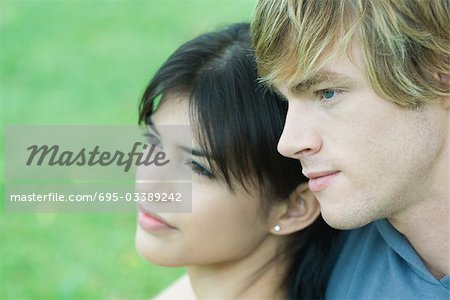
pixel 259 275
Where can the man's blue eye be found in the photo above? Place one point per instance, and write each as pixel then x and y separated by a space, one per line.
pixel 328 93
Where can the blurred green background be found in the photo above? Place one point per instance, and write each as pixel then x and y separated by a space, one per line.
pixel 86 62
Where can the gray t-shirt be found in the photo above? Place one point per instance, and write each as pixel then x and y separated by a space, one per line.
pixel 378 262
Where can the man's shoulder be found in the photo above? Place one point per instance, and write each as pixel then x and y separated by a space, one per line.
pixel 372 265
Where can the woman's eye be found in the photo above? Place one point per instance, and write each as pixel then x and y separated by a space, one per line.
pixel 200 170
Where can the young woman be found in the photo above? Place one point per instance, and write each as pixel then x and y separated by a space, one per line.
pixel 255 230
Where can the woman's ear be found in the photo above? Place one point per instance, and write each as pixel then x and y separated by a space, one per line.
pixel 295 213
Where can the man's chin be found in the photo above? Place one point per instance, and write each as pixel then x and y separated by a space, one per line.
pixel 343 221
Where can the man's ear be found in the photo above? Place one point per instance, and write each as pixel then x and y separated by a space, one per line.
pixel 295 213
pixel 445 79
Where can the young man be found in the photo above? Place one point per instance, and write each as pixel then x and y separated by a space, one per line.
pixel 368 87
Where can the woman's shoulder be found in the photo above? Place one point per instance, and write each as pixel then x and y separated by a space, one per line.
pixel 180 289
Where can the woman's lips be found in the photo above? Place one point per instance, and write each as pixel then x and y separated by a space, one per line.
pixel 151 223
pixel 317 183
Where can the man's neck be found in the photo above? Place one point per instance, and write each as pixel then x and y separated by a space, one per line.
pixel 429 236
pixel 257 276
pixel 426 224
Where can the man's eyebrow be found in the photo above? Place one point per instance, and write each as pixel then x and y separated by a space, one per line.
pixel 194 151
pixel 275 90
pixel 152 126
pixel 325 77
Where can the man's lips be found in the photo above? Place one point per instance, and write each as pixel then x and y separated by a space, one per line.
pixel 320 180
pixel 314 175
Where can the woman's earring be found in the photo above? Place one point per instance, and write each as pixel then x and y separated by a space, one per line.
pixel 277 228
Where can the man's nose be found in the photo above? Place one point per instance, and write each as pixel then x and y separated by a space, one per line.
pixel 300 136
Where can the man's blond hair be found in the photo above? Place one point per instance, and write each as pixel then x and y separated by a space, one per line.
pixel 405 43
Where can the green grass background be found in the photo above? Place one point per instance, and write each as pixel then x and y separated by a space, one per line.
pixel 86 62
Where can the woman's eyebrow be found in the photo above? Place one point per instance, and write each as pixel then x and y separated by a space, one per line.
pixel 152 126
pixel 194 151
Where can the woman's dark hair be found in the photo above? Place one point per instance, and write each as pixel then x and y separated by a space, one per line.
pixel 238 123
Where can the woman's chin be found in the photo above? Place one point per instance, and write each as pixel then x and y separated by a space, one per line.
pixel 149 249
